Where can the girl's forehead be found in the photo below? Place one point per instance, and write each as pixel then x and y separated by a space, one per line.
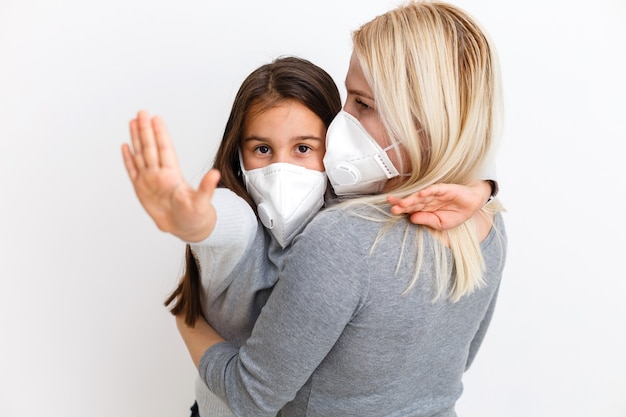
pixel 288 119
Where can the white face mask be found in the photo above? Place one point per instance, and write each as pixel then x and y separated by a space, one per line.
pixel 355 163
pixel 287 197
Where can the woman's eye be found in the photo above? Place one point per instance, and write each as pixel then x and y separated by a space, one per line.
pixel 362 104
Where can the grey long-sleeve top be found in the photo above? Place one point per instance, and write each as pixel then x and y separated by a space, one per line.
pixel 337 337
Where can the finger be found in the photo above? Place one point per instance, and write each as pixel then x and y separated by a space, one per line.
pixel 408 201
pixel 146 138
pixel 398 210
pixel 134 138
pixel 165 149
pixel 209 182
pixel 414 202
pixel 431 191
pixel 129 162
pixel 406 205
pixel 392 199
pixel 426 219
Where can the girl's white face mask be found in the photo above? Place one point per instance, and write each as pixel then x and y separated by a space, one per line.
pixel 287 197
pixel 355 163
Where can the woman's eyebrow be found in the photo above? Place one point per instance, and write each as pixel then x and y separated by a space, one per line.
pixel 357 92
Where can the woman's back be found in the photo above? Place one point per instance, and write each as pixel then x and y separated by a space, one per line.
pixel 357 345
pixel 398 354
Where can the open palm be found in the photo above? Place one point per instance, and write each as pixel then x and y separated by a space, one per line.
pixel 174 205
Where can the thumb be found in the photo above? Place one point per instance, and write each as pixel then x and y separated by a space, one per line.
pixel 426 219
pixel 209 182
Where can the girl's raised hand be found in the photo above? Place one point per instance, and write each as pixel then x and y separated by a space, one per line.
pixel 159 184
pixel 442 206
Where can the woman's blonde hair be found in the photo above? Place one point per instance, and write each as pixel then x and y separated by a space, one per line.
pixel 435 80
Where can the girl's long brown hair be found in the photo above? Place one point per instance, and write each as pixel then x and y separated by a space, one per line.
pixel 283 79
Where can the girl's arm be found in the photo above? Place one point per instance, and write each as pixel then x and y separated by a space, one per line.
pixel 198 338
pixel 444 206
pixel 153 169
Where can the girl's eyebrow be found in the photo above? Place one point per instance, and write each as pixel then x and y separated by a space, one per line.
pixel 254 138
pixel 293 139
pixel 307 137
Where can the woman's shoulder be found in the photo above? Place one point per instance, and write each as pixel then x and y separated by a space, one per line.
pixel 495 234
pixel 351 214
pixel 348 222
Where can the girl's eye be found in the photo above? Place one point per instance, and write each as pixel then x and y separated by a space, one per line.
pixel 262 149
pixel 304 148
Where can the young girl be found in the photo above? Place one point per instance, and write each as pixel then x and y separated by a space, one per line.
pixel 270 160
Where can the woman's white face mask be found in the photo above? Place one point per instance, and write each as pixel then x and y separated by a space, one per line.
pixel 287 197
pixel 355 163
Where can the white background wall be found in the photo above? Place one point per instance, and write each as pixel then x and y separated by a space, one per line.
pixel 83 271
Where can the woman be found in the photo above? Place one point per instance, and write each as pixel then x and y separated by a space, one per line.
pixel 372 315
pixel 271 163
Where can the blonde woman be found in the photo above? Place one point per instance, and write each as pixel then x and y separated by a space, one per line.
pixel 373 315
pixel 274 143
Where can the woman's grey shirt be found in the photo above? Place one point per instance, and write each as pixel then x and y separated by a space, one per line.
pixel 338 337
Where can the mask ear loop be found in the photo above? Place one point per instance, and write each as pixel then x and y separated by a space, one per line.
pixel 242 169
pixel 396 144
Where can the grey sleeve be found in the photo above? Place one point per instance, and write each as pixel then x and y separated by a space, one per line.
pixel 303 318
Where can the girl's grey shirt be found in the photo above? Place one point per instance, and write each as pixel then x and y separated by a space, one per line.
pixel 338 337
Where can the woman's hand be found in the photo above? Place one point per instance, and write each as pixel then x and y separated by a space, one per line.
pixel 442 206
pixel 153 169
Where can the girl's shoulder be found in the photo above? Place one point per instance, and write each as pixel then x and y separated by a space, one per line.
pixel 236 221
